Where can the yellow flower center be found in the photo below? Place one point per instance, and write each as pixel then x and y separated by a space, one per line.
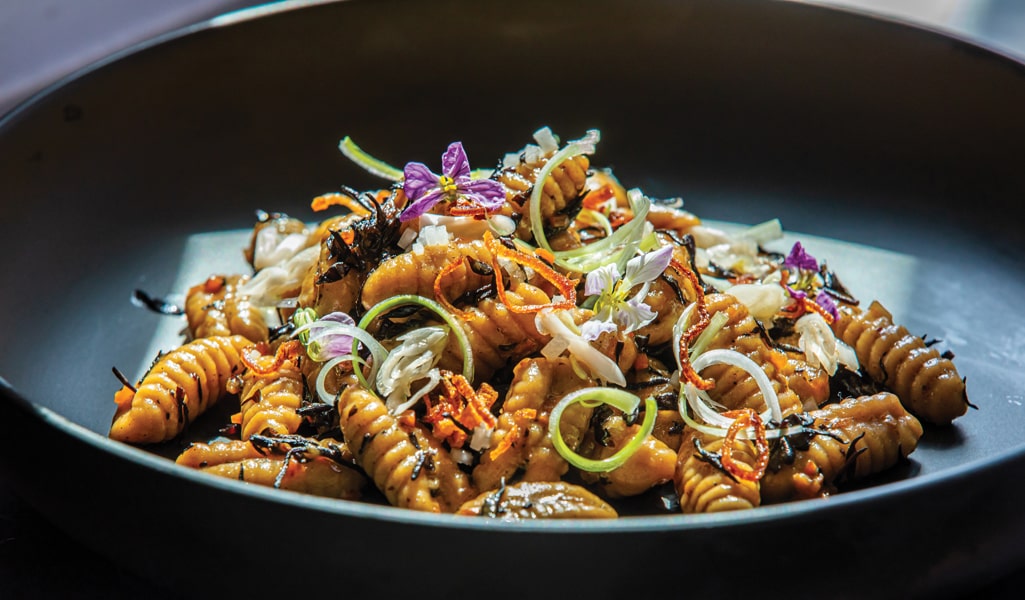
pixel 448 185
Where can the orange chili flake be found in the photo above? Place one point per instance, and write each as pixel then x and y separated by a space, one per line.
pixel 641 362
pixel 459 404
pixel 324 201
pixel 465 209
pixel 545 255
pixel 213 284
pixel 521 420
pixel 565 285
pixel 407 420
pixel 124 396
pixel 811 305
pixel 743 418
pixel 251 356
pixel 595 199
pixel 687 371
pixel 439 290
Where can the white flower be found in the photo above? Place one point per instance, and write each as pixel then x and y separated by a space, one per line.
pixel 613 304
pixel 566 336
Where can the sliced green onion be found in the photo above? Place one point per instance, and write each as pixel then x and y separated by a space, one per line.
pixel 618 247
pixel 715 324
pixel 731 358
pixel 596 217
pixel 583 146
pixel 378 351
pixel 372 165
pixel 304 316
pixel 764 232
pixel 454 325
pixel 321 385
pixel 594 396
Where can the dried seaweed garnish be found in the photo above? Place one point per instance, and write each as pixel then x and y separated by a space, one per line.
pixel 850 384
pixel 492 506
pixel 783 450
pixel 712 458
pixel 374 239
pixel 157 305
pixel 832 286
pixel 298 448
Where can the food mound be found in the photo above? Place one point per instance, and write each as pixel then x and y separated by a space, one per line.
pixel 536 341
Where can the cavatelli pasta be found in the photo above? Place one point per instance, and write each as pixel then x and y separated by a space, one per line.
pixel 925 381
pixel 528 500
pixel 703 486
pixel 734 387
pixel 180 386
pixel 201 454
pixel 215 308
pixel 409 466
pixel 562 189
pixel 269 401
pixel 415 272
pixel 861 437
pixel 520 440
pixel 636 323
pixel 654 463
pixel 317 476
pixel 498 336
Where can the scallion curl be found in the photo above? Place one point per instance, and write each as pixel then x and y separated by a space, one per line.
pixel 454 326
pixel 592 397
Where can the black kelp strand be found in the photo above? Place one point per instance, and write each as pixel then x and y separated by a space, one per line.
pixel 156 305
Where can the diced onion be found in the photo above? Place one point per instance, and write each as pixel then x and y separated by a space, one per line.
pixel 621 399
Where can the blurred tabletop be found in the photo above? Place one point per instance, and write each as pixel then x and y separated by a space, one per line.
pixel 43 41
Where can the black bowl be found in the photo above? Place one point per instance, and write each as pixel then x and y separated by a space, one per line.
pixel 845 126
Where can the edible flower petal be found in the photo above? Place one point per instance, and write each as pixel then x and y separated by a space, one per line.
pixel 613 303
pixel 800 259
pixel 566 336
pixel 425 189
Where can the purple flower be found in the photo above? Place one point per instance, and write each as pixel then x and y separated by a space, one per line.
pixel 799 259
pixel 425 189
pixel 327 337
pixel 827 304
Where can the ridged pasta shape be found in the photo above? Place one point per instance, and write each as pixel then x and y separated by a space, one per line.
pixel 317 476
pixel 529 500
pixel 561 188
pixel 268 403
pixel 734 387
pixel 654 463
pixel 214 308
pixel 866 435
pixel 414 272
pixel 664 298
pixel 179 387
pixel 498 336
pixel 927 383
pixel 703 487
pixel 203 454
pixel 537 386
pixel 410 467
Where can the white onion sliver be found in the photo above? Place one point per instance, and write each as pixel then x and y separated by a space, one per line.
pixel 736 359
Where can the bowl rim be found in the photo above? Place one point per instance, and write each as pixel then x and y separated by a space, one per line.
pixel 876 495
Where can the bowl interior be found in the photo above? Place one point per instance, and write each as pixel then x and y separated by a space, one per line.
pixel 846 128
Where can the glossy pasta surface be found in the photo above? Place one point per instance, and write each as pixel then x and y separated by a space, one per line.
pixel 536 341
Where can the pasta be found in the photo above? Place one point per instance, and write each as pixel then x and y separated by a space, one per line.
pixel 536 341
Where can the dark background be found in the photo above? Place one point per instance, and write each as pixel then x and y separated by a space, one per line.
pixel 42 41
